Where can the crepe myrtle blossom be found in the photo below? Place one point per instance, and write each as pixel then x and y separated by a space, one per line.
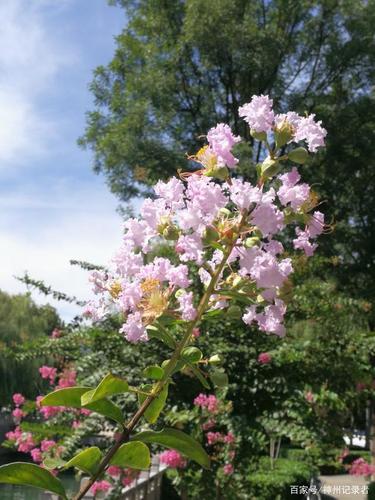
pixel 208 220
pixel 173 459
pixel 18 399
pixel 100 486
pixel 221 140
pixel 258 113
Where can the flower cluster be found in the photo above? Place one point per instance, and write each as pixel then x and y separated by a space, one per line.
pixel 258 113
pixel 26 442
pixel 210 402
pixel 173 459
pixel 205 221
pixel 361 468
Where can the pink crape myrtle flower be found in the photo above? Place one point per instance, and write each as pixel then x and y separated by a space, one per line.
pixel 361 468
pixel 18 414
pixel 228 469
pixel 114 471
pixel 100 486
pixel 18 399
pixel 214 437
pixel 173 459
pixel 309 396
pixel 310 131
pixel 199 213
pixel 56 333
pixel 47 444
pixel 36 455
pixel 210 402
pixel 67 378
pixel 48 372
pixel 258 113
pixel 264 358
pixel 221 140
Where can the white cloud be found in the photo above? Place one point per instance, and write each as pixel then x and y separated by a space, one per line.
pixel 30 58
pixel 88 228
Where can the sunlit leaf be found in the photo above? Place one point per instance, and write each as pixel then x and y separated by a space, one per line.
pixel 109 386
pixel 153 411
pixel 134 454
pixel 31 475
pixel 177 440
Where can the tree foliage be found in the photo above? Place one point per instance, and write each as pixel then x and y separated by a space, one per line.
pixel 21 321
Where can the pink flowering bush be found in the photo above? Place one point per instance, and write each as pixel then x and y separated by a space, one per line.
pixel 232 236
pixel 361 468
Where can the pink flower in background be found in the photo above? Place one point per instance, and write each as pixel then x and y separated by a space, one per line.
pixel 196 333
pixel 18 399
pixel 113 470
pixel 14 435
pixel 361 468
pixel 264 358
pixel 18 413
pixel 309 396
pixel 36 455
pixel 50 411
pixel 100 486
pixel 229 438
pixel 360 386
pixel 172 458
pixel 67 378
pixel 56 333
pixel 214 437
pixel 210 402
pixel 48 372
pixel 25 443
pixel 76 424
pixel 258 113
pixel 228 469
pixel 47 444
pixel 221 140
pixel 85 412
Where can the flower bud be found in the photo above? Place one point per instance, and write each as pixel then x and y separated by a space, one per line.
pixel 283 133
pixel 215 360
pixel 258 136
pixel 171 233
pixel 270 167
pixel 251 242
pixel 234 312
pixel 298 155
pixel 220 173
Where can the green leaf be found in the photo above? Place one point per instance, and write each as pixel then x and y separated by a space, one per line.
pixel 71 398
pixel 87 460
pixel 54 463
pixel 177 440
pixel 153 411
pixel 219 378
pixel 109 386
pixel 161 334
pixel 198 373
pixel 134 454
pixel 31 475
pixel 298 155
pixel 155 372
pixel 192 354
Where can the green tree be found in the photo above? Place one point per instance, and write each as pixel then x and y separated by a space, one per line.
pixel 181 66
pixel 21 321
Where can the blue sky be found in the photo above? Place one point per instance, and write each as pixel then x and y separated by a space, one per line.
pixel 53 208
